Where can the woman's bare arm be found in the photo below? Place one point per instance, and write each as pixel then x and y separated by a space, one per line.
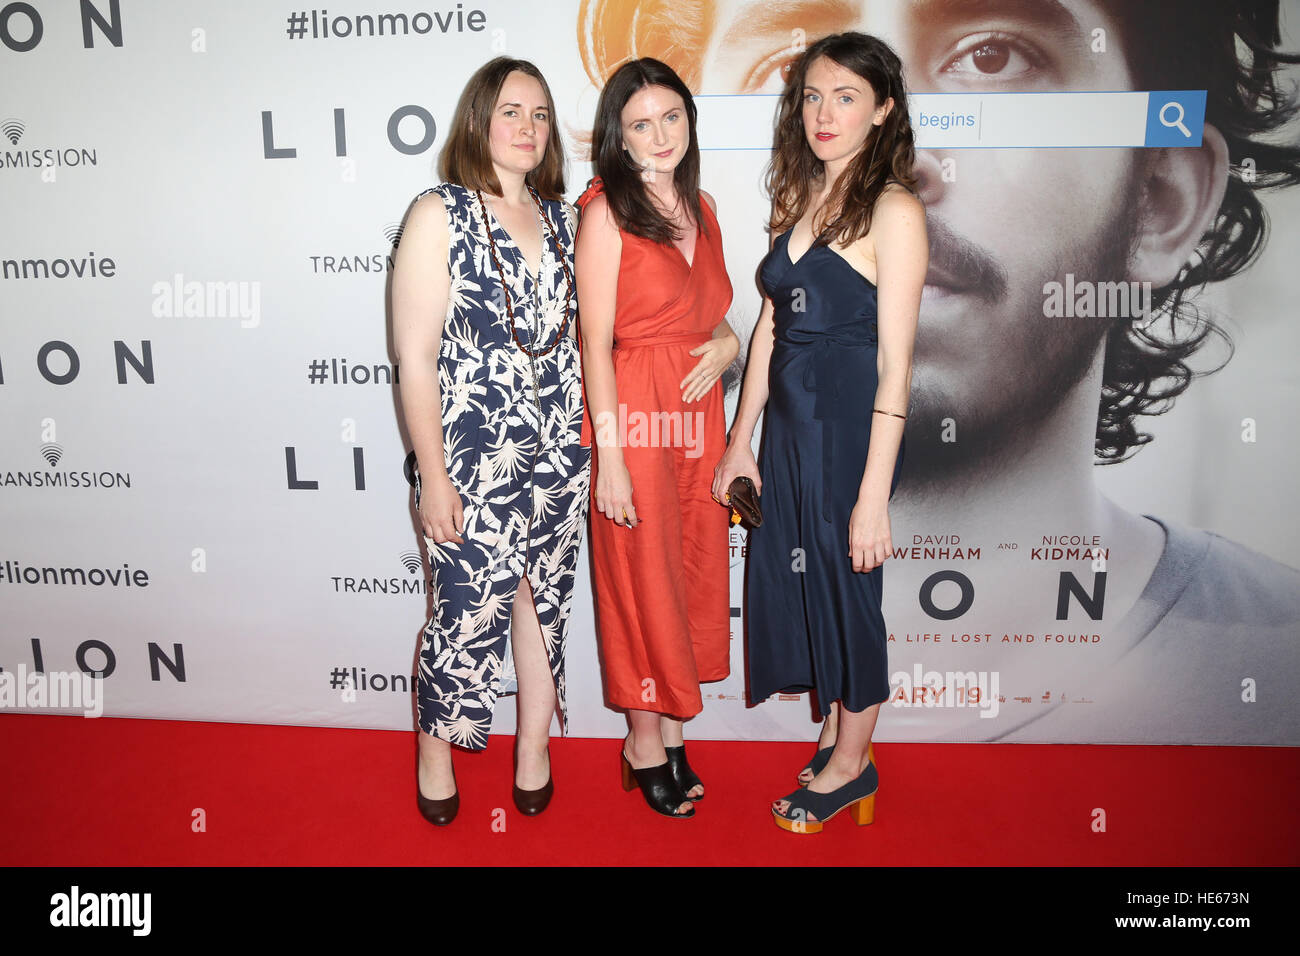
pixel 421 285
pixel 754 388
pixel 739 456
pixel 598 254
pixel 902 255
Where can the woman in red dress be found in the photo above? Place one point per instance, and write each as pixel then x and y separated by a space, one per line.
pixel 652 296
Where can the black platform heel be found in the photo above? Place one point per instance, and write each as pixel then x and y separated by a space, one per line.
pixel 658 787
pixel 686 778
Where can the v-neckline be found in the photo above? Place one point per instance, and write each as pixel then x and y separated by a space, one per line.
pixel 795 262
pixel 690 263
pixel 695 253
pixel 791 259
pixel 699 234
pixel 498 225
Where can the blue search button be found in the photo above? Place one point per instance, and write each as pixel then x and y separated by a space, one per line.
pixel 1175 117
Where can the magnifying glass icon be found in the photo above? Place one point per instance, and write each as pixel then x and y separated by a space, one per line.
pixel 1177 121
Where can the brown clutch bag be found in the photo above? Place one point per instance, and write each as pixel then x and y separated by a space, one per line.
pixel 744 502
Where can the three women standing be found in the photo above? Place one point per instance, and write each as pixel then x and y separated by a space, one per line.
pixel 490 341
pixel 484 309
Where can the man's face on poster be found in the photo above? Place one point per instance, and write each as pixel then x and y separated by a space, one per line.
pixel 1002 222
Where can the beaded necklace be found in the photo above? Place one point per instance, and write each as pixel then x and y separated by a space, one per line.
pixel 505 290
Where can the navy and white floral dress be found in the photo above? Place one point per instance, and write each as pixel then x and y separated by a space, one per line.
pixel 514 454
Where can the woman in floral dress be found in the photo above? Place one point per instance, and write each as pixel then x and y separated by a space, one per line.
pixel 484 307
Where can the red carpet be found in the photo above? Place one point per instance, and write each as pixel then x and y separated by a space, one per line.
pixel 311 796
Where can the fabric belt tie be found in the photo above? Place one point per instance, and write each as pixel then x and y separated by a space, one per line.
pixel 843 395
pixel 651 341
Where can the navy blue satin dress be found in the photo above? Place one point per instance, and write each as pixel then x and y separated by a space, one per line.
pixel 813 622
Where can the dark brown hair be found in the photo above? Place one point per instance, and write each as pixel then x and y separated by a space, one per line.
pixel 888 152
pixel 466 158
pixel 629 201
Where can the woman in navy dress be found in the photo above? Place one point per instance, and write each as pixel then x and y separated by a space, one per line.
pixel 484 309
pixel 831 364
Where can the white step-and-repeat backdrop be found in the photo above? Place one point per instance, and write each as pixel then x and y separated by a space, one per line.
pixel 205 484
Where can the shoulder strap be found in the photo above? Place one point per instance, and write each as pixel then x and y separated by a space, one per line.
pixel 904 185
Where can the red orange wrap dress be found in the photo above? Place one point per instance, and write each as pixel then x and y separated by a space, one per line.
pixel 662 589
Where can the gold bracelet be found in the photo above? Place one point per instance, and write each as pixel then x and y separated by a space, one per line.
pixel 895 414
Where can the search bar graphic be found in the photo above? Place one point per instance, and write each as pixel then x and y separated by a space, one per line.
pixel 1083 120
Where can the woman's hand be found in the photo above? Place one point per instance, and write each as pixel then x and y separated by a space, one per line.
pixel 869 541
pixel 736 461
pixel 715 356
pixel 614 494
pixel 442 513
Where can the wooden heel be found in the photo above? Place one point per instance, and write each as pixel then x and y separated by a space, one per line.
pixel 629 781
pixel 864 811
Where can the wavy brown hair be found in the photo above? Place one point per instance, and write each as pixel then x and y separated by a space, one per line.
pixel 466 158
pixel 888 153
pixel 629 200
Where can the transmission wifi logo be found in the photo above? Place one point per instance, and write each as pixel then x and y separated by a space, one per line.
pixel 52 453
pixel 352 264
pixel 412 583
pixel 44 158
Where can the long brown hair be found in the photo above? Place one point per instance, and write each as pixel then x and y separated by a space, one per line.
pixel 887 154
pixel 629 200
pixel 466 159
